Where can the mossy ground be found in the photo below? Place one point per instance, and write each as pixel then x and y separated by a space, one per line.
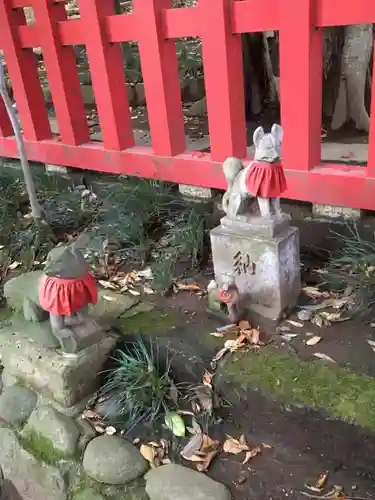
pixel 335 391
pixel 42 449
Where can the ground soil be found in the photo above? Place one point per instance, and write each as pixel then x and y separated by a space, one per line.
pixel 304 443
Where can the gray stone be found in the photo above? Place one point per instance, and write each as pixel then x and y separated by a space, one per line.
pixel 88 494
pixel 56 169
pixel 31 479
pixel 60 430
pixel 63 379
pixel 174 482
pixel 266 270
pixel 334 212
pixel 16 404
pixel 113 460
pixel 195 193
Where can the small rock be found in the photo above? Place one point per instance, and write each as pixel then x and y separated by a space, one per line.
pixel 16 404
pixel 60 430
pixel 174 482
pixel 113 460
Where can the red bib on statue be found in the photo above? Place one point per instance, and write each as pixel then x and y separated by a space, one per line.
pixel 266 180
pixel 64 297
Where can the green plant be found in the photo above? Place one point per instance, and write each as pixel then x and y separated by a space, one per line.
pixel 139 384
pixel 354 266
pixel 162 272
pixel 187 236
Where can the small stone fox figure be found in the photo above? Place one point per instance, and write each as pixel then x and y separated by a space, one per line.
pixel 65 291
pixel 229 295
pixel 263 177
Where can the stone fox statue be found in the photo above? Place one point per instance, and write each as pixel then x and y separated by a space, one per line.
pixel 65 291
pixel 263 177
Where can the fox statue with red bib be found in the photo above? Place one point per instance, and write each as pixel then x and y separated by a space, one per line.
pixel 263 178
pixel 66 288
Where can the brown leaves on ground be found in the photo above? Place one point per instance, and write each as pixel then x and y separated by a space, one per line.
pixel 248 337
pixel 237 446
pixel 201 449
pixel 155 452
pixel 122 282
pixel 178 287
pixel 318 488
pixel 96 422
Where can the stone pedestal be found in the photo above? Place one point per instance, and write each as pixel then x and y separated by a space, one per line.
pixel 31 359
pixel 263 257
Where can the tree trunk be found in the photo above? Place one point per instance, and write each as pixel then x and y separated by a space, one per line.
pixel 350 104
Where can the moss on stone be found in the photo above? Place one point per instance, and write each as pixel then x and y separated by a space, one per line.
pixel 336 391
pixel 131 491
pixel 41 447
pixel 153 323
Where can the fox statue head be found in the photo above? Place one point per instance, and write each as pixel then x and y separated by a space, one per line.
pixel 268 146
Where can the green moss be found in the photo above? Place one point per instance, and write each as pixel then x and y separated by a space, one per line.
pixel 132 491
pixel 338 392
pixel 153 323
pixel 41 447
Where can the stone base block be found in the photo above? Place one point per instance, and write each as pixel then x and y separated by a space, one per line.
pixel 195 193
pixel 66 380
pixel 335 212
pixel 266 268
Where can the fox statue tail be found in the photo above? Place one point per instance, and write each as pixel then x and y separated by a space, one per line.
pixel 231 167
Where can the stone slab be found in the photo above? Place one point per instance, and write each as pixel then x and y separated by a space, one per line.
pixel 25 476
pixel 65 380
pixel 174 482
pixel 16 404
pixel 256 225
pixel 266 270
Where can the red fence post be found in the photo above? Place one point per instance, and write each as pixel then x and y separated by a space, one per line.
pixel 23 73
pixel 106 65
pixel 161 78
pixel 370 170
pixel 301 73
pixel 223 75
pixel 62 73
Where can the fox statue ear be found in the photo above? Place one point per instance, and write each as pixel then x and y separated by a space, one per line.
pixel 277 133
pixel 258 136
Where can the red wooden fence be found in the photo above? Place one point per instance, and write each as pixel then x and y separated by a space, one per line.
pixel 155 25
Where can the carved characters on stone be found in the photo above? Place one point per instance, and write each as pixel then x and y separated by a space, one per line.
pixel 242 264
pixel 263 178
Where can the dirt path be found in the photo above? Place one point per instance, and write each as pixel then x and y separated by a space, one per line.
pixel 304 443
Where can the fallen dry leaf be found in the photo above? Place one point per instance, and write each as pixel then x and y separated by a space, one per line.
pixel 266 446
pixel 252 336
pixel 216 334
pixel 324 357
pixel 148 291
pixel 232 328
pixel 319 485
pixel 90 414
pixel 136 441
pixel 148 453
pixel 207 379
pixel 208 443
pixel 234 446
pixel 294 323
pixel 107 284
pixel 100 429
pixel 193 287
pixel 371 343
pixel 134 292
pixel 313 340
pixel 193 446
pixel 312 291
pixel 109 299
pixel 251 454
pixel 203 466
